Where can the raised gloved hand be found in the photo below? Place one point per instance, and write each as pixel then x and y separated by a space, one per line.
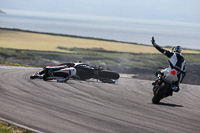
pixel 153 41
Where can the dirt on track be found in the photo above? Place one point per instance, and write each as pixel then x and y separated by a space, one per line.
pixel 95 107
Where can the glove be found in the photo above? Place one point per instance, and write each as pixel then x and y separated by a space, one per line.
pixel 153 41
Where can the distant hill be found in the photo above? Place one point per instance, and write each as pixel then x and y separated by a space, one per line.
pixel 2 12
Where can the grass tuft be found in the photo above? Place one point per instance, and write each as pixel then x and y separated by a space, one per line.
pixel 8 128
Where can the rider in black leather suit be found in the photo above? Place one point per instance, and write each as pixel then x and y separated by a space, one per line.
pixel 176 60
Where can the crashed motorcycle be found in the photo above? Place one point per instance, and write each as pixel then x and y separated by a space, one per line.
pixel 164 83
pixel 59 73
pixel 85 72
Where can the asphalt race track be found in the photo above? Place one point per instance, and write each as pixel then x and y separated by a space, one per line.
pixel 95 107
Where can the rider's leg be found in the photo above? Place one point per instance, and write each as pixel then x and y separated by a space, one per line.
pixel 175 86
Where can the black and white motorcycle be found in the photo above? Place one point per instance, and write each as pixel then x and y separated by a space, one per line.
pixel 164 84
pixel 85 72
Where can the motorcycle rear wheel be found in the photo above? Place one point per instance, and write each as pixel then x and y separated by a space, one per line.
pixel 159 94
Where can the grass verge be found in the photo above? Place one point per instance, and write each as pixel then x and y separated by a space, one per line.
pixel 8 128
pixel 13 64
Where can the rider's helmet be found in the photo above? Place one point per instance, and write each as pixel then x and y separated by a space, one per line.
pixel 176 49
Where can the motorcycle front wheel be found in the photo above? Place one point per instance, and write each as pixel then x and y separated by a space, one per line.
pixel 107 74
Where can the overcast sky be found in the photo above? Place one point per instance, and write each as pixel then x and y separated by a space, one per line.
pixel 164 10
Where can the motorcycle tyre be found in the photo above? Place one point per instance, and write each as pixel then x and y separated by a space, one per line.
pixel 45 78
pixel 106 74
pixel 159 94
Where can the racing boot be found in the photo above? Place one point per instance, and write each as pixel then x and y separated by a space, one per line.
pixel 175 88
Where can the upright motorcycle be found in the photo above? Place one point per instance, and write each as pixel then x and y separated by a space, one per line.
pixel 164 84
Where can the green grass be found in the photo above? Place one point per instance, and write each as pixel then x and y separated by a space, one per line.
pixel 191 58
pixel 92 56
pixel 8 128
pixel 13 64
